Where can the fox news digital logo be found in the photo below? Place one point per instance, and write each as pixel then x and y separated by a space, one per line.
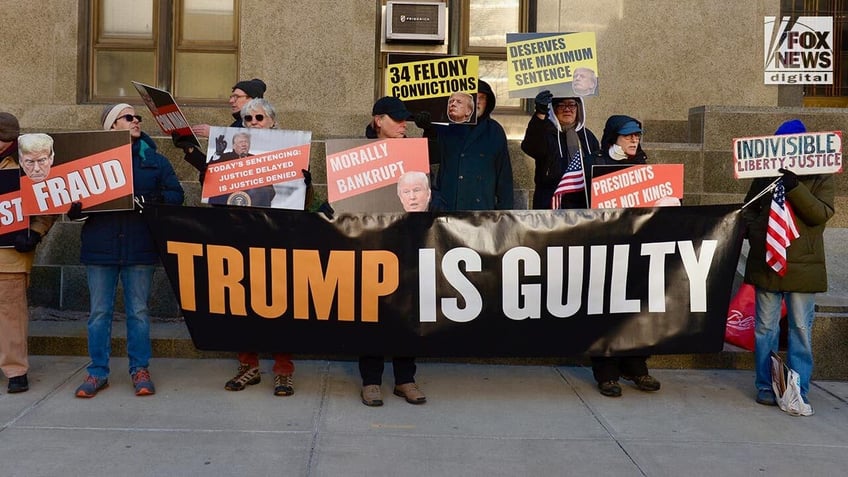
pixel 798 51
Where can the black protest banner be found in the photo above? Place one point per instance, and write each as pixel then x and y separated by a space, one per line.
pixel 517 283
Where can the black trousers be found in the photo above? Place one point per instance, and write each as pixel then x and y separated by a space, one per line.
pixel 371 369
pixel 611 368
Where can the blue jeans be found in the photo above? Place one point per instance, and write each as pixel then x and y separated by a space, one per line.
pixel 102 286
pixel 800 309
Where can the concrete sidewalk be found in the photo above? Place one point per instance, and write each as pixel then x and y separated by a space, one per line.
pixel 481 420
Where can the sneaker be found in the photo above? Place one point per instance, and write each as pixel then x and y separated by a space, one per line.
pixel 142 383
pixel 766 397
pixel 644 383
pixel 411 393
pixel 283 385
pixel 246 376
pixel 18 384
pixel 610 388
pixel 91 386
pixel 805 411
pixel 372 395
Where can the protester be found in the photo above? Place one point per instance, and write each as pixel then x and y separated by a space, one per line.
pixel 15 267
pixel 388 120
pixel 260 114
pixel 243 91
pixel 555 134
pixel 36 155
pixel 620 144
pixel 475 172
pixel 811 198
pixel 118 244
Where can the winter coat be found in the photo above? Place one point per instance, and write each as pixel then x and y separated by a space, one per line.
pixel 122 237
pixel 475 172
pixel 12 261
pixel 812 203
pixel 546 142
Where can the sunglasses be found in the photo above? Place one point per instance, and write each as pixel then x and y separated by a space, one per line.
pixel 129 117
pixel 259 117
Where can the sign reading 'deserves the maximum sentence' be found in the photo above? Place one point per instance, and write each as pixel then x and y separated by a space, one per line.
pixel 803 154
pixel 564 63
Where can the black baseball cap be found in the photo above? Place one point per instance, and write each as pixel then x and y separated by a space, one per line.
pixel 392 106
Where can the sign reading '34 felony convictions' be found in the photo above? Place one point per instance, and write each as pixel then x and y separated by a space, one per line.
pixel 798 51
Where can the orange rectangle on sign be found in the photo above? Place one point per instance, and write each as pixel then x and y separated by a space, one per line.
pixel 245 173
pixel 637 186
pixel 12 218
pixel 94 180
pixel 375 165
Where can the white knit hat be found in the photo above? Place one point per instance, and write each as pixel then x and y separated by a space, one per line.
pixel 110 114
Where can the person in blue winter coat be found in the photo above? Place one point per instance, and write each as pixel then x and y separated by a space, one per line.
pixel 118 244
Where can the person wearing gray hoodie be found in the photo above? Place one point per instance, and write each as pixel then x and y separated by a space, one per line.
pixel 555 134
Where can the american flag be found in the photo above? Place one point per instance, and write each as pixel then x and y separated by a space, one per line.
pixel 571 181
pixel 781 230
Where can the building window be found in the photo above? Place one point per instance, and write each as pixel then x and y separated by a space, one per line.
pixel 189 47
pixel 484 25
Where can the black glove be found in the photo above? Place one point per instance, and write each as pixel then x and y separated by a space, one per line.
pixel 148 198
pixel 790 180
pixel 75 212
pixel 220 145
pixel 182 142
pixel 307 177
pixel 543 101
pixel 327 210
pixel 27 240
pixel 423 120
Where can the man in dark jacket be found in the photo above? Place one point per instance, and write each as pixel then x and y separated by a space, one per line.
pixel 555 133
pixel 811 198
pixel 119 245
pixel 243 91
pixel 475 172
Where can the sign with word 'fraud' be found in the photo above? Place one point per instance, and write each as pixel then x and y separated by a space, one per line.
pixel 798 51
pixel 564 63
pixel 803 154
pixel 94 168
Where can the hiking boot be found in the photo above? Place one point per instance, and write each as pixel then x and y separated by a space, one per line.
pixel 283 385
pixel 18 384
pixel 644 383
pixel 91 386
pixel 246 376
pixel 610 388
pixel 411 393
pixel 372 395
pixel 766 397
pixel 142 383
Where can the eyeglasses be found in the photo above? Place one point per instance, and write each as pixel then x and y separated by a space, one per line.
pixel 571 106
pixel 237 96
pixel 259 117
pixel 129 118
